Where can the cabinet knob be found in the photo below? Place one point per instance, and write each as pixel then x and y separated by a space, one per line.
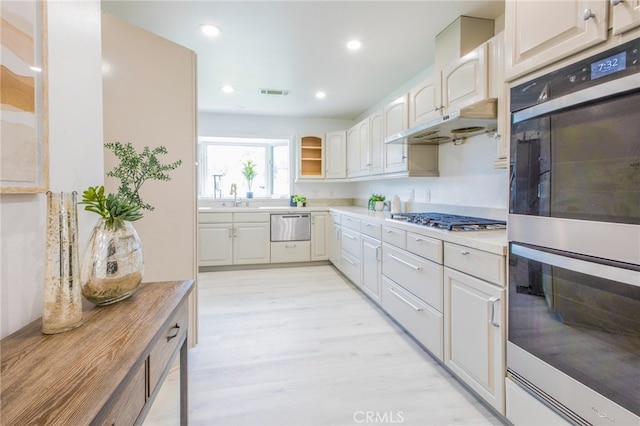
pixel 464 253
pixel 615 2
pixel 588 14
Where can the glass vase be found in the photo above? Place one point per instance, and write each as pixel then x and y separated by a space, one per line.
pixel 62 300
pixel 113 263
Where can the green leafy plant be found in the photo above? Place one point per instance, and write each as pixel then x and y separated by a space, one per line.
pixel 133 171
pixel 299 199
pixel 249 172
pixel 376 197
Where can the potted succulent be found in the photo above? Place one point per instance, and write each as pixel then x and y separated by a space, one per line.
pixel 249 172
pixel 112 265
pixel 300 200
pixel 376 202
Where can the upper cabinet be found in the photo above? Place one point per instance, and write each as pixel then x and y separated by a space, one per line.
pixel 336 155
pixel 465 81
pixel 395 119
pixel 425 101
pixel 625 15
pixel 311 156
pixel 539 33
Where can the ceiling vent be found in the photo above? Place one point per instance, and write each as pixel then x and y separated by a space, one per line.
pixel 275 92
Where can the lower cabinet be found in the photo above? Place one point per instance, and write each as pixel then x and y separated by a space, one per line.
pixel 233 244
pixel 251 243
pixel 371 266
pixel 334 243
pixel 215 244
pixel 416 316
pixel 474 343
pixel 319 236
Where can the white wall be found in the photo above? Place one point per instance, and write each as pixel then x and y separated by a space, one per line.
pixel 76 157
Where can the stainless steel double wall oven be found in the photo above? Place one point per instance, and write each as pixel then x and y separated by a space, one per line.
pixel 574 233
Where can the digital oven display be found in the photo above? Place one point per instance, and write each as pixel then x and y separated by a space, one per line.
pixel 609 65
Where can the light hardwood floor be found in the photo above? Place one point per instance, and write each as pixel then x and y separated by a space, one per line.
pixel 302 346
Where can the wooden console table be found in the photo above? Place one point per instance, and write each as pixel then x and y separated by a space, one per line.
pixel 106 372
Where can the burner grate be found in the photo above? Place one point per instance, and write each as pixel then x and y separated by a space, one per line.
pixel 450 222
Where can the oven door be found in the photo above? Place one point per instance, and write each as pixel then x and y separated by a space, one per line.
pixel 574 333
pixel 575 173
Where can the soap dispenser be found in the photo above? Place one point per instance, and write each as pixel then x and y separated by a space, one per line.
pixel 395 204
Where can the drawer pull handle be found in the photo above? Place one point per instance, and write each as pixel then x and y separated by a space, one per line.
pixel 417 268
pixel 173 332
pixel 348 260
pixel 464 253
pixel 289 246
pixel 418 240
pixel 378 253
pixel 416 308
pixel 389 231
pixel 349 236
pixel 492 311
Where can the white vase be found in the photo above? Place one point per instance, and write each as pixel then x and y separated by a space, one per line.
pixel 379 206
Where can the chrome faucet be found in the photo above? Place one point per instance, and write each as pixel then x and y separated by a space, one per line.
pixel 234 192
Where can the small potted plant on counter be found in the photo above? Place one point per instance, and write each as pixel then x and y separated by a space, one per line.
pixel 300 200
pixel 376 202
pixel 249 172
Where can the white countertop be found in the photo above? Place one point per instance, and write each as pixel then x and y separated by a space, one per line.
pixel 490 241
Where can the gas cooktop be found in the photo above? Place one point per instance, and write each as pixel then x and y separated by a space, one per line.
pixel 450 222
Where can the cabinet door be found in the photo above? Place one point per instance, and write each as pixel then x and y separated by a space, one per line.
pixel 365 143
pixel 425 101
pixel 376 151
pixel 215 244
pixel 311 156
pixel 465 81
pixel 541 32
pixel 336 156
pixel 474 334
pixel 251 243
pixel 395 119
pixel 371 266
pixel 319 243
pixel 334 244
pixel 626 15
pixel 353 151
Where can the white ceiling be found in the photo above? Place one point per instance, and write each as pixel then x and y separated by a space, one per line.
pixel 300 46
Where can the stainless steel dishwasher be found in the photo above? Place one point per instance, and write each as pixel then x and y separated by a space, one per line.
pixel 291 227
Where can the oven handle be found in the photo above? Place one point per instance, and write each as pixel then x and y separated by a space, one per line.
pixel 622 275
pixel 609 88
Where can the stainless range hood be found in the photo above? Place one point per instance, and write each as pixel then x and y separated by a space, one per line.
pixel 455 126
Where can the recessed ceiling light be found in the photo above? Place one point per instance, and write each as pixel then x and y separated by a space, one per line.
pixel 321 95
pixel 227 89
pixel 210 30
pixel 354 45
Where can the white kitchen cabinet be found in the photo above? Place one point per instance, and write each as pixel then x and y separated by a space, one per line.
pixel 310 156
pixel 290 251
pixel 376 145
pixel 365 143
pixel 233 238
pixel 465 81
pixel 474 334
pixel 251 243
pixel 538 33
pixel 334 240
pixel 319 236
pixel 336 155
pixel 499 90
pixel 371 266
pixel 396 119
pixel 625 15
pixel 215 244
pixel 351 255
pixel 353 152
pixel 425 100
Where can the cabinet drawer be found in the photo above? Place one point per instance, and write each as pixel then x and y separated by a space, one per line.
pixel 371 229
pixel 351 242
pixel 418 318
pixel 130 401
pixel 481 264
pixel 394 236
pixel 251 217
pixel 291 251
pixel 351 267
pixel 215 217
pixel 351 223
pixel 167 346
pixel 419 276
pixel 429 248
